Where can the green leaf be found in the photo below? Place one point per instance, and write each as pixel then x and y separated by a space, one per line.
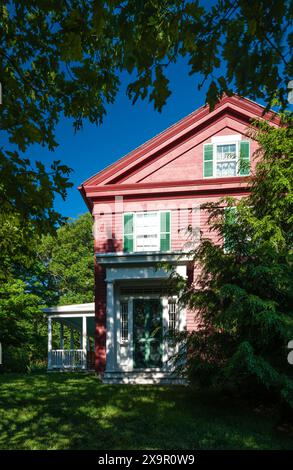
pixel 71 47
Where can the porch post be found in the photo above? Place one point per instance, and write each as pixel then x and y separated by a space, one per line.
pixel 71 338
pixel 131 336
pixel 165 318
pixel 84 339
pixel 110 327
pixel 49 342
pixel 100 318
pixel 188 274
pixel 61 336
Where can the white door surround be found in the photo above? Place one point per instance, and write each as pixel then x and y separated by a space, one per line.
pixel 120 352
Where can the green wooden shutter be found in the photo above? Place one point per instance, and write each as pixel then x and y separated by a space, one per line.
pixel 244 168
pixel 128 232
pixel 230 215
pixel 230 219
pixel 208 166
pixel 165 231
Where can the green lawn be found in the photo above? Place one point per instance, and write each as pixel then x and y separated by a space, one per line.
pixel 74 411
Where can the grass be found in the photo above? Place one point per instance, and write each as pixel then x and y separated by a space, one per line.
pixel 75 411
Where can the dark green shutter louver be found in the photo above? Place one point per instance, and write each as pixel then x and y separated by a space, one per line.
pixel 244 167
pixel 128 232
pixel 208 166
pixel 230 219
pixel 165 231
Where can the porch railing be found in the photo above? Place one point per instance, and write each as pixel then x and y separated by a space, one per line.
pixel 67 358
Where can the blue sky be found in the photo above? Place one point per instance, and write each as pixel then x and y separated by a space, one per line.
pixel 125 127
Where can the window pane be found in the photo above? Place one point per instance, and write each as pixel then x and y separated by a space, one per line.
pixel 173 315
pixel 226 152
pixel 146 242
pixel 226 169
pixel 124 322
pixel 226 164
pixel 147 231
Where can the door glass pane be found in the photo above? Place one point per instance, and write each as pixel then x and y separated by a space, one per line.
pixel 147 331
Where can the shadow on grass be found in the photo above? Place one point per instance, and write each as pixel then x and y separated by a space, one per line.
pixel 75 411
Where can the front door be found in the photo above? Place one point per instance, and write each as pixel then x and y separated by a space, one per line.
pixel 147 333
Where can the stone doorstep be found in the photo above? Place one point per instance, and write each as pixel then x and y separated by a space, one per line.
pixel 146 377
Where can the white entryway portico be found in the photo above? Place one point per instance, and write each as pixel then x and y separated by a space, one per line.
pixel 140 314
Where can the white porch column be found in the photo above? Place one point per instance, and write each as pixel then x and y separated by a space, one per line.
pixel 110 336
pixel 49 342
pixel 71 338
pixel 130 332
pixel 61 336
pixel 182 271
pixel 84 340
pixel 165 319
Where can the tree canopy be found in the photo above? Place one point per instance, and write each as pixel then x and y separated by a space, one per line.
pixel 66 58
pixel 66 261
pixel 54 270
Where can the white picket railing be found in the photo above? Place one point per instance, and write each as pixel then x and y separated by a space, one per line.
pixel 67 358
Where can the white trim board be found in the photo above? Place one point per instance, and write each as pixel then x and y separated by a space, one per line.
pixel 140 273
pixel 223 139
pixel 178 258
pixel 71 315
pixel 75 308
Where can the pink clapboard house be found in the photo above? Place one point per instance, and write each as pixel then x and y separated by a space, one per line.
pixel 147 210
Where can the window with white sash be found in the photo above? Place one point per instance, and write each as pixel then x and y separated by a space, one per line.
pixel 147 231
pixel 226 158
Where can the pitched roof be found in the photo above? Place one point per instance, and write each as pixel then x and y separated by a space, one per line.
pixel 240 108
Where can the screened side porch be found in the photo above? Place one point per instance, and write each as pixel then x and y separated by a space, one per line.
pixel 71 337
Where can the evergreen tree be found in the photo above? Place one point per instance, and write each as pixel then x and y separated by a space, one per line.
pixel 244 296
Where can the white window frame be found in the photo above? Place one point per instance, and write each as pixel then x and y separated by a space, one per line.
pixel 215 161
pixel 158 214
pixel 224 140
pixel 135 214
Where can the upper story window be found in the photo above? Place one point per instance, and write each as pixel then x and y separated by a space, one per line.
pixel 226 160
pixel 147 231
pixel 226 156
